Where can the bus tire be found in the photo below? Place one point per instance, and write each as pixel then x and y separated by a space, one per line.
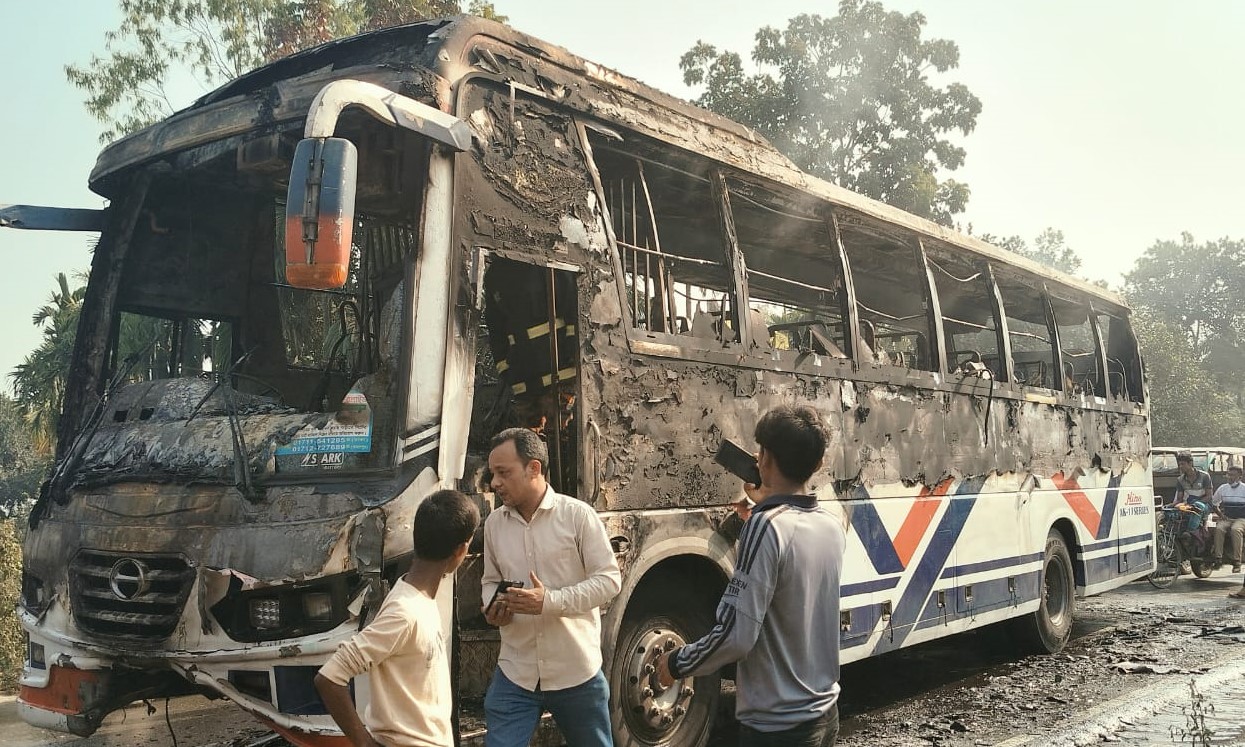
pixel 681 716
pixel 1048 629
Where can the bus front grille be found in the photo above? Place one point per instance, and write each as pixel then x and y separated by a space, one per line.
pixel 129 595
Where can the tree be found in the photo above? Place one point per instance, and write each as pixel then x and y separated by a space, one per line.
pixel 12 637
pixel 212 41
pixel 1049 249
pixel 22 464
pixel 849 99
pixel 1195 286
pixel 1185 399
pixel 39 380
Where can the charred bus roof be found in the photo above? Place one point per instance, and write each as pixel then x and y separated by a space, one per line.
pixel 430 59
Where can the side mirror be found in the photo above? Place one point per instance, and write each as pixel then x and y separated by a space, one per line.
pixel 319 213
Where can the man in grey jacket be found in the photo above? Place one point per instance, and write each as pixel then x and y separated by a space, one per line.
pixel 779 613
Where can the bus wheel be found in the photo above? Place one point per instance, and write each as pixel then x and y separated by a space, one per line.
pixel 1047 630
pixel 642 712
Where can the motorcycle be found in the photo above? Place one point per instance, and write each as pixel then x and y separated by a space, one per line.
pixel 1184 535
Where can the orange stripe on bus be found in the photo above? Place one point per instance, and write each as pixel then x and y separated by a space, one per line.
pixel 1080 503
pixel 63 693
pixel 918 520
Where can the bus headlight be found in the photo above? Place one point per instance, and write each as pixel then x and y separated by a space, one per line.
pixel 34 596
pixel 265 613
pixel 318 606
pixel 291 610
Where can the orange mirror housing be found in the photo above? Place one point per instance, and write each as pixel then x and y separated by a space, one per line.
pixel 319 213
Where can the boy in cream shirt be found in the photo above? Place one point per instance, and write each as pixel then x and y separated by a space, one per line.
pixel 403 648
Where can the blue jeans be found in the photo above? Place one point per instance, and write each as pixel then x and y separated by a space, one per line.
pixel 582 713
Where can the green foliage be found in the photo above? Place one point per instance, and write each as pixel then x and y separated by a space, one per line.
pixel 22 464
pixel 212 41
pixel 1196 286
pixel 12 640
pixel 1188 407
pixel 849 99
pixel 1049 248
pixel 39 380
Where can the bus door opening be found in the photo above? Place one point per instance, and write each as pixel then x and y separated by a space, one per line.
pixel 530 314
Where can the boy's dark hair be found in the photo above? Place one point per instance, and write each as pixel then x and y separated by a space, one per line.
pixel 795 437
pixel 1184 456
pixel 445 520
pixel 526 443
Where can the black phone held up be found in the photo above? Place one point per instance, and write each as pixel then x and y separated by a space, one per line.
pixel 502 587
pixel 738 462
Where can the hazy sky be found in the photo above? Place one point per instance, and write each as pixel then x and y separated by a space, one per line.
pixel 1116 122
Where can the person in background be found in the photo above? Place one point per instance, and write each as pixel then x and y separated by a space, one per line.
pixel 772 616
pixel 550 629
pixel 1229 505
pixel 1192 484
pixel 403 648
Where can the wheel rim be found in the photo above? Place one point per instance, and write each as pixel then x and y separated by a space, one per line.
pixel 1056 592
pixel 649 709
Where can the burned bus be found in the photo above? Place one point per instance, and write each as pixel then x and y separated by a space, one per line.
pixel 322 288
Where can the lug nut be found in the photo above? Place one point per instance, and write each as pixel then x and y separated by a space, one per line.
pixel 649 669
pixel 666 719
pixel 679 710
pixel 647 692
pixel 653 712
pixel 670 645
pixel 686 692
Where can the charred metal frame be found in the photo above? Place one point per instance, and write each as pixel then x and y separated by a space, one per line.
pixel 1001 330
pixel 933 311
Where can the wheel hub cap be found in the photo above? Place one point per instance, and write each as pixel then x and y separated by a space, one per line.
pixel 659 708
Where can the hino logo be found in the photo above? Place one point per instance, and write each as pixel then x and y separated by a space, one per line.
pixel 128 579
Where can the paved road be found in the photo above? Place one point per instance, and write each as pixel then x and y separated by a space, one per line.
pixel 949 665
pixel 195 721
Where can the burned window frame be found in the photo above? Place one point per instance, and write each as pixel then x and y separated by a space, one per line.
pixel 935 365
pixel 671 344
pixel 1096 373
pixel 983 271
pixel 818 212
pixel 1132 375
pixel 936 374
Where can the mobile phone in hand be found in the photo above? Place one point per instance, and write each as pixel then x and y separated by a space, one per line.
pixel 738 462
pixel 502 587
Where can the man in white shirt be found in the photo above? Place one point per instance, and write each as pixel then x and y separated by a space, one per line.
pixel 550 629
pixel 1229 505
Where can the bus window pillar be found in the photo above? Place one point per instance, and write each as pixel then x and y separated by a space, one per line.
pixel 1052 324
pixel 851 312
pixel 937 344
pixel 1008 368
pixel 1100 357
pixel 734 263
